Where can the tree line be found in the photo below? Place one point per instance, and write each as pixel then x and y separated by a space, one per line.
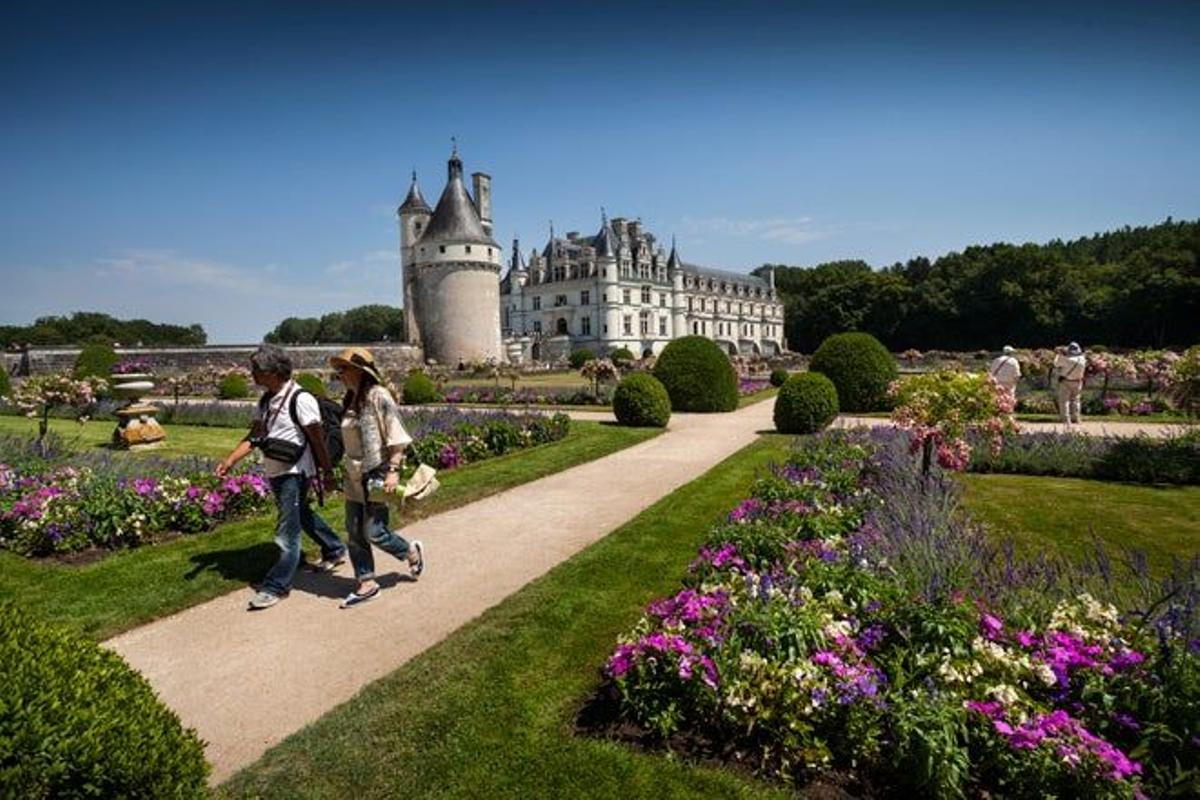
pixel 1133 287
pixel 90 327
pixel 370 323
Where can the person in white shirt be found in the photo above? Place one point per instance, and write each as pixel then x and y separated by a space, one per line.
pixel 292 448
pixel 1006 371
pixel 1070 368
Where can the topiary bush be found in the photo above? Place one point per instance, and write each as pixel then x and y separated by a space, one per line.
pixel 860 367
pixel 697 375
pixel 311 383
pixel 233 387
pixel 806 403
pixel 779 377
pixel 419 388
pixel 77 721
pixel 580 357
pixel 641 401
pixel 622 357
pixel 94 361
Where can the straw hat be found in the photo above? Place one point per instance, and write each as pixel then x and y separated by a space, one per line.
pixel 360 358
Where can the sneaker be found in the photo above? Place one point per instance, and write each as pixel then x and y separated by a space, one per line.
pixel 327 565
pixel 263 599
pixel 416 558
pixel 354 598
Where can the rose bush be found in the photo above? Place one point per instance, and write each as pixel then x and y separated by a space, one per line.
pixel 938 409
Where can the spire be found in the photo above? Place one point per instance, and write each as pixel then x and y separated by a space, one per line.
pixel 518 263
pixel 456 219
pixel 414 201
pixel 454 166
pixel 673 262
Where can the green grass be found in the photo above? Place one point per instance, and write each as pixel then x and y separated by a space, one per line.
pixel 757 397
pixel 488 712
pixel 1064 514
pixel 182 440
pixel 561 380
pixel 132 587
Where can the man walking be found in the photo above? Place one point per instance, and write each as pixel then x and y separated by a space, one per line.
pixel 287 428
pixel 1070 368
pixel 1006 371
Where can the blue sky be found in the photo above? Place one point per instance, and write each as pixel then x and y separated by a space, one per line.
pixel 235 163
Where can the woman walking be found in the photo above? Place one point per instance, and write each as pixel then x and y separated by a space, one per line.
pixel 375 441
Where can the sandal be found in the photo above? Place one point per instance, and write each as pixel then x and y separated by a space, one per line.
pixel 354 598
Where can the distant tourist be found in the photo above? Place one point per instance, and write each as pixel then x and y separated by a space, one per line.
pixel 1006 371
pixel 292 447
pixel 1070 367
pixel 375 442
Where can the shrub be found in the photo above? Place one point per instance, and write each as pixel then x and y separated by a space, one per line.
pixel 641 401
pixel 1136 459
pixel 580 357
pixel 79 722
pixel 860 367
pixel 233 387
pixel 94 361
pixel 697 376
pixel 5 384
pixel 311 383
pixel 779 377
pixel 419 388
pixel 622 357
pixel 806 404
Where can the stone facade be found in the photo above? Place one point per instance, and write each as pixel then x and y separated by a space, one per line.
pixel 619 289
pixel 165 360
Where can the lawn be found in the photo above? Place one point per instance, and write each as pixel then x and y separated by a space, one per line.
pixel 182 440
pixel 129 588
pixel 535 380
pixel 1064 514
pixel 488 712
pixel 757 397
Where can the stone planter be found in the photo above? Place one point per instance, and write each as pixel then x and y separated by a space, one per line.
pixel 136 425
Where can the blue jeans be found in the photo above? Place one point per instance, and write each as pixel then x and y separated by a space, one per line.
pixel 366 525
pixel 295 515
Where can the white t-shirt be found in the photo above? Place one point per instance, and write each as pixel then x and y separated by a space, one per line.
pixel 1006 370
pixel 1070 368
pixel 280 426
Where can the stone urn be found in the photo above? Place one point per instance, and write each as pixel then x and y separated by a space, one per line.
pixel 136 425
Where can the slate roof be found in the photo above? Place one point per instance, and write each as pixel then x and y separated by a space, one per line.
pixel 414 201
pixel 726 275
pixel 455 219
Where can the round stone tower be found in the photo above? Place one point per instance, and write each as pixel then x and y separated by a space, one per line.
pixel 451 269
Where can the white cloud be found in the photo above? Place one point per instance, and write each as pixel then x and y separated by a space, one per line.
pixel 789 230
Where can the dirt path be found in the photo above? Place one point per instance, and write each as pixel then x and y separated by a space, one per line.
pixel 247 680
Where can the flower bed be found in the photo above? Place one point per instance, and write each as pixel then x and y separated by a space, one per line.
pixel 56 501
pixel 749 386
pixel 846 619
pixel 542 396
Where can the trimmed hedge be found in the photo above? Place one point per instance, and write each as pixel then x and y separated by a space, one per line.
pixel 860 367
pixel 580 357
pixel 622 356
pixel 806 403
pixel 5 384
pixel 779 377
pixel 94 361
pixel 233 387
pixel 641 401
pixel 697 375
pixel 76 721
pixel 419 388
pixel 311 383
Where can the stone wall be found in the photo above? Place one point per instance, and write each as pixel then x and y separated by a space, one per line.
pixel 166 360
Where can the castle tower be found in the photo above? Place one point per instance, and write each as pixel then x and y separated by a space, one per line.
pixel 414 216
pixel 455 274
pixel 678 299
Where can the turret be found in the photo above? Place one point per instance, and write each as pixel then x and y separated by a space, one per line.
pixel 414 216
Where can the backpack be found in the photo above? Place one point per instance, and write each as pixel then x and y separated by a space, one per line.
pixel 331 425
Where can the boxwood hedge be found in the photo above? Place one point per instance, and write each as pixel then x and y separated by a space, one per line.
pixel 860 367
pixel 806 403
pixel 697 375
pixel 641 401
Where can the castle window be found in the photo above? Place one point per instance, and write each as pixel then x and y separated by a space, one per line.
pixel 585 326
pixel 644 323
pixel 441 248
pixel 537 302
pixel 689 304
pixel 489 252
pixel 560 299
pixel 606 327
pixel 662 300
pixel 468 248
pixel 537 326
pixel 625 297
pixel 585 298
pixel 561 326
pixel 646 295
pixel 662 326
pixel 628 322
pixel 695 328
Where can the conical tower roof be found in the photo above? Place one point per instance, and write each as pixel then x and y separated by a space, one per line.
pixel 456 219
pixel 414 201
pixel 606 240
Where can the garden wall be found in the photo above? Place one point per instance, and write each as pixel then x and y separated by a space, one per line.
pixel 45 360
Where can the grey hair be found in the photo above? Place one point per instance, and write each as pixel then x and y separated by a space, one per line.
pixel 273 359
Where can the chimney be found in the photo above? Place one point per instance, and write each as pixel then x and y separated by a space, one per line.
pixel 483 199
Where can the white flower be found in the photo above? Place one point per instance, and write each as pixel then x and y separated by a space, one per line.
pixel 1045 674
